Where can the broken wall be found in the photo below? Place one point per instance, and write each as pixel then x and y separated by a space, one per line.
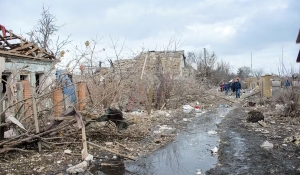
pixel 126 85
pixel 265 86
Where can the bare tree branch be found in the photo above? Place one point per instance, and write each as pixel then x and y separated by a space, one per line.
pixel 44 32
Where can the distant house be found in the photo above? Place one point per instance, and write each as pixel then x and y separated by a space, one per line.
pixel 298 42
pixel 170 62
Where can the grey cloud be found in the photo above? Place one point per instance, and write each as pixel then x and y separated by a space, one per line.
pixel 256 27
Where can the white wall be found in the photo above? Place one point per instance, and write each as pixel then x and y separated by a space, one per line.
pixel 2 65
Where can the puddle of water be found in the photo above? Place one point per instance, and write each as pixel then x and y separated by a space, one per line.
pixel 190 151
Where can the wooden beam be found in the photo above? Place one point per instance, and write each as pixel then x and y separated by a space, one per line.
pixel 22 47
pixel 10 37
pixel 84 152
pixel 32 50
pixel 41 50
pixel 7 43
pixel 34 107
pixel 14 54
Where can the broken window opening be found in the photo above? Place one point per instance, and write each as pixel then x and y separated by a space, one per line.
pixel 4 81
pixel 23 77
pixel 38 80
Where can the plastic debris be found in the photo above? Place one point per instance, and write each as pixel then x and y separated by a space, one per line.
pixel 187 107
pixel 267 145
pixel 212 132
pixel 108 143
pixel 67 151
pixel 279 108
pixel 214 150
pixel 79 168
pixel 89 158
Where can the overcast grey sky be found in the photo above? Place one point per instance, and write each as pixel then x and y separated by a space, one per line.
pixel 231 28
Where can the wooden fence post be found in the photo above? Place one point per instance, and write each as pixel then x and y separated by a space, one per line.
pixel 34 108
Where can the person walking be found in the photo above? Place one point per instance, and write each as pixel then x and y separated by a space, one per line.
pixel 227 87
pixel 223 86
pixel 237 88
pixel 287 84
pixel 232 87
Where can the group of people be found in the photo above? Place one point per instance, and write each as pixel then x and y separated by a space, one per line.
pixel 235 87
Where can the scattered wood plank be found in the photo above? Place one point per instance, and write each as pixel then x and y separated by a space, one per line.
pixel 84 143
pixel 144 66
pixel 112 151
pixel 225 99
pixel 124 146
pixel 251 94
pixel 36 122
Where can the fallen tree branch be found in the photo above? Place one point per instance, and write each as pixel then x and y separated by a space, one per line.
pixel 37 136
pixel 14 149
pixel 10 140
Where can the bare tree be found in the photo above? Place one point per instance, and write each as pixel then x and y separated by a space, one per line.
pixel 221 73
pixel 45 34
pixel 243 72
pixel 205 62
pixel 258 72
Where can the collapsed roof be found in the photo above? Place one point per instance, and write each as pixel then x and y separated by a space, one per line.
pixel 14 45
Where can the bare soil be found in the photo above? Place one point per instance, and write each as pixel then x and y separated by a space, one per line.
pixel 239 153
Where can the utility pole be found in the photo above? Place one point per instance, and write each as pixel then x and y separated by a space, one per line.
pixel 282 59
pixel 205 60
pixel 251 65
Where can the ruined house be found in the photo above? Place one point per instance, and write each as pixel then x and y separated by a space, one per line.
pixel 24 67
pixel 153 62
pixel 22 60
pixel 151 68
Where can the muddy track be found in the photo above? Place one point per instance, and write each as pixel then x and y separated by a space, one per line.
pixel 240 151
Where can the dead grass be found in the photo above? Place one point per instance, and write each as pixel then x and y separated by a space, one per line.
pixel 289 98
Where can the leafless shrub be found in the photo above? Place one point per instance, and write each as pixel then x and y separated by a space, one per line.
pixel 290 99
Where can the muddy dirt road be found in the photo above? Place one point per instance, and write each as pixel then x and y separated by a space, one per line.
pixel 189 153
pixel 240 151
pixel 191 150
